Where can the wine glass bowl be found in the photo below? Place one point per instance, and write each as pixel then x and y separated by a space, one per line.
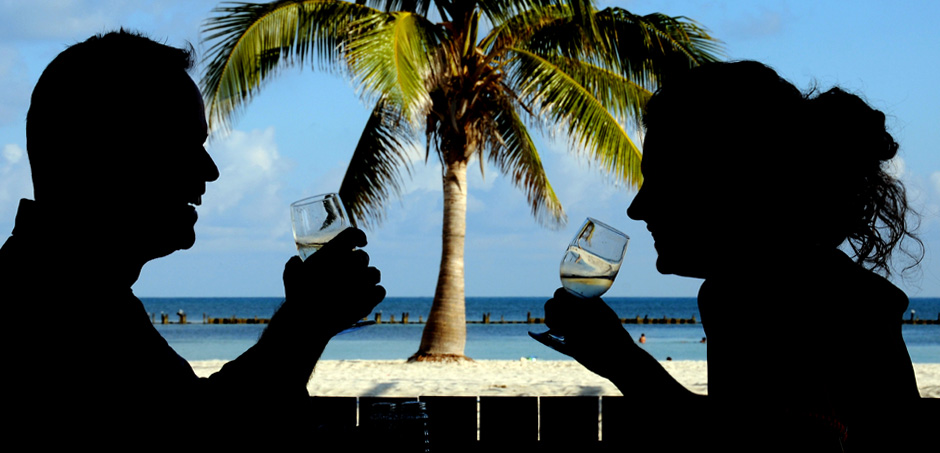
pixel 588 267
pixel 316 220
pixel 593 259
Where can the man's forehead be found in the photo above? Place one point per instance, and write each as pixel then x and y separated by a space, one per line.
pixel 176 106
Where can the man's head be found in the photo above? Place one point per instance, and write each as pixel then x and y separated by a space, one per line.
pixel 115 132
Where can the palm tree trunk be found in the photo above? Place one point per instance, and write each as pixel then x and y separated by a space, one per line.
pixel 445 333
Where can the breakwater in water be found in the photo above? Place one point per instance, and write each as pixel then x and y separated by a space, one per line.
pixel 487 318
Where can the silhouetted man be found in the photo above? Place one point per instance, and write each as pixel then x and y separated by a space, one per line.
pixel 115 135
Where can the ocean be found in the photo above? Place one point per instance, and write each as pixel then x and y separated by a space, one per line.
pixel 197 340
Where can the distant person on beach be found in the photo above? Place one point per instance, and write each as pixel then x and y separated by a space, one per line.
pixel 115 134
pixel 642 338
pixel 784 204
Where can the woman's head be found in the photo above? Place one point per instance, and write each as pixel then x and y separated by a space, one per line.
pixel 738 161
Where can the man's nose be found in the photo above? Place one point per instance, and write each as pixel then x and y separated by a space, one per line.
pixel 209 169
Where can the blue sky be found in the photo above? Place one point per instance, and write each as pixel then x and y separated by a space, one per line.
pixel 295 140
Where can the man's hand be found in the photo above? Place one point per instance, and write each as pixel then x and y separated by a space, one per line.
pixel 334 287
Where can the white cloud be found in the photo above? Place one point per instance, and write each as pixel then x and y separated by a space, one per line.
pixel 59 18
pixel 896 167
pixel 930 211
pixel 15 179
pixel 250 167
pixel 73 20
pixel 425 173
pixel 12 153
pixel 475 204
pixel 245 205
pixel 484 180
pixel 15 90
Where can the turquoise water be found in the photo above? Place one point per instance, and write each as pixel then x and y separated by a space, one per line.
pixel 198 341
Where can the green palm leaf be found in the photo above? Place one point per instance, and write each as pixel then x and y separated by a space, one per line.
pixel 642 48
pixel 511 149
pixel 561 99
pixel 389 57
pixel 375 171
pixel 622 96
pixel 520 28
pixel 252 41
pixel 501 11
pixel 414 6
pixel 655 46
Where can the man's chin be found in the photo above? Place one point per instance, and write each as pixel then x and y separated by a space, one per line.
pixel 186 242
pixel 181 242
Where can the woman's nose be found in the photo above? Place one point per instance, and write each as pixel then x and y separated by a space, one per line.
pixel 637 208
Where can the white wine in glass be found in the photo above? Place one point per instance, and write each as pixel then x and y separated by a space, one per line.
pixel 589 267
pixel 316 220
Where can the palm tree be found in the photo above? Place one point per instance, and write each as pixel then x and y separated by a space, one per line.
pixel 546 64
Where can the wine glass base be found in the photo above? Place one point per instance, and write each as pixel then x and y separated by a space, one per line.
pixel 556 342
pixel 358 325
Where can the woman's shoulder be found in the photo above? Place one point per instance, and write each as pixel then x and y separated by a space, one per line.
pixel 813 280
pixel 851 288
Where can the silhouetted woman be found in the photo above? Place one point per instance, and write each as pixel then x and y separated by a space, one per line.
pixel 757 188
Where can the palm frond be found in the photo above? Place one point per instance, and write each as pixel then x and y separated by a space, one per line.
pixel 389 56
pixel 685 35
pixel 509 146
pixel 562 100
pixel 642 48
pixel 377 168
pixel 250 42
pixel 520 27
pixel 656 45
pixel 622 96
pixel 413 6
pixel 501 11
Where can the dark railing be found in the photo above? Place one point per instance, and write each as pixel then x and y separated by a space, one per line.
pixel 495 423
pixel 577 424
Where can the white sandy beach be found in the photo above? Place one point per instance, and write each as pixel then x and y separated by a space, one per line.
pixel 498 377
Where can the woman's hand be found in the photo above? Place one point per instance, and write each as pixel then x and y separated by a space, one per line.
pixel 594 335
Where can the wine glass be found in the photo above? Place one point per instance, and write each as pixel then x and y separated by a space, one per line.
pixel 588 268
pixel 315 221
